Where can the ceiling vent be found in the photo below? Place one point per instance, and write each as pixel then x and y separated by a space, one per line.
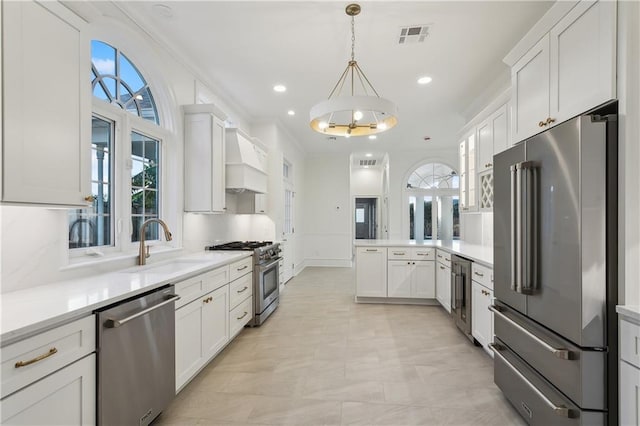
pixel 413 34
pixel 368 162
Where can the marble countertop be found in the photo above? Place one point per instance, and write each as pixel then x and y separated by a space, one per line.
pixel 629 311
pixel 475 252
pixel 29 311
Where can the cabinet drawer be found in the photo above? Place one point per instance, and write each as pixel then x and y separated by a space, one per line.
pixel 240 268
pixel 423 254
pixel 398 253
pixel 31 359
pixel 444 257
pixel 192 288
pixel 240 289
pixel 240 316
pixel 630 342
pixel 482 275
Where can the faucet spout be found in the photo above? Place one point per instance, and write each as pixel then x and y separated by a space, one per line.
pixel 142 253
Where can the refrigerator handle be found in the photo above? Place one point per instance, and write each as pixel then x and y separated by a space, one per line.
pixel 528 226
pixel 514 229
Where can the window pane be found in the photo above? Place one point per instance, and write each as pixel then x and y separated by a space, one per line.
pixel 130 75
pixel 103 57
pixel 428 219
pixel 99 93
pixel 110 84
pixel 412 213
pixel 145 203
pixel 92 226
pixel 456 218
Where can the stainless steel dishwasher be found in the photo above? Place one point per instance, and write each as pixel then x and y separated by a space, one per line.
pixel 136 358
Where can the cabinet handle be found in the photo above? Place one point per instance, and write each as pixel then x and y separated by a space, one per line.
pixel 243 268
pixel 52 351
pixel 244 315
pixel 89 198
pixel 478 274
pixel 245 288
pixel 550 120
pixel 440 256
pixel 408 263
pixel 375 250
pixel 442 267
pixel 542 124
pixel 398 253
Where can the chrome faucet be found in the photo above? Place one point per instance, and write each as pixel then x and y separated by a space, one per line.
pixel 143 254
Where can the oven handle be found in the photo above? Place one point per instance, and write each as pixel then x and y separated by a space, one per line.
pixel 560 353
pixel 559 410
pixel 113 323
pixel 269 265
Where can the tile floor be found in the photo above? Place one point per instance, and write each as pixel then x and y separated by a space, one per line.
pixel 322 359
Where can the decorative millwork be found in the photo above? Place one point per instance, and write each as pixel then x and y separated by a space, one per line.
pixel 359 111
pixel 486 190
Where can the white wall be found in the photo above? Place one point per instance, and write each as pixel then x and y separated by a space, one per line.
pixel 366 182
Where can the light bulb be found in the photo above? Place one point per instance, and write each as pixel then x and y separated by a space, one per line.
pixel 372 137
pixel 348 135
pixel 382 126
pixel 323 125
pixel 357 115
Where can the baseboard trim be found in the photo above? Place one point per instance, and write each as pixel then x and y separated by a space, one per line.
pixel 397 301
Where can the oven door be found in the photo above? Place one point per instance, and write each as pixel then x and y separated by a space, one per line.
pixel 266 284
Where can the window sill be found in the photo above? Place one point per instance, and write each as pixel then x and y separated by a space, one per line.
pixel 123 260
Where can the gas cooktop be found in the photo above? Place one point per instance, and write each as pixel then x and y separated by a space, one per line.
pixel 240 245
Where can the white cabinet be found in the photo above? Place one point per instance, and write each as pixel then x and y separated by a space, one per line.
pixel 629 373
pixel 568 71
pixel 252 203
pixel 371 272
pixel 443 279
pixel 411 273
pixel 468 171
pixel 215 328
pixel 240 296
pixel 66 397
pixel 481 299
pixel 204 159
pixel 492 138
pixel 46 105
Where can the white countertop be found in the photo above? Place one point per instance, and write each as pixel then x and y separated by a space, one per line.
pixel 630 311
pixel 477 253
pixel 28 311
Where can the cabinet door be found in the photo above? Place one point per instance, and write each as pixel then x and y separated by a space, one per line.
pixel 480 314
pixel 485 145
pixel 500 128
pixel 371 272
pixel 443 290
pixel 629 395
pixel 261 203
pixel 66 397
pixel 189 348
pixel 198 152
pixel 218 166
pixel 582 59
pixel 46 116
pixel 530 86
pixel 471 171
pixel 462 156
pixel 399 278
pixel 215 325
pixel 423 279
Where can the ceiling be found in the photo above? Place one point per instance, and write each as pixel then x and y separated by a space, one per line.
pixel 248 47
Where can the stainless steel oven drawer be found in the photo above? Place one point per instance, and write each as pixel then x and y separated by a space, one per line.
pixel 533 397
pixel 579 374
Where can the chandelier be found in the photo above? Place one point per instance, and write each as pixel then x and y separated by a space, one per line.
pixel 359 112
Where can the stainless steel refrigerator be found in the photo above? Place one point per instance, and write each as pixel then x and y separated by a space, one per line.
pixel 555 261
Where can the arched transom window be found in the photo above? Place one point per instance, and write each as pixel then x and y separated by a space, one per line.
pixel 431 194
pixel 116 80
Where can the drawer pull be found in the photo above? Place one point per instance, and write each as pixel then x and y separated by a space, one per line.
pixel 243 268
pixel 560 353
pixel 243 315
pixel 440 256
pixel 398 253
pixel 243 290
pixel 478 274
pixel 375 250
pixel 559 410
pixel 52 351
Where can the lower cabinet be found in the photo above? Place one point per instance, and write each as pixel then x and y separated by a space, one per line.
pixel 443 285
pixel 411 279
pixel 66 397
pixel 629 373
pixel 202 329
pixel 481 299
pixel 371 272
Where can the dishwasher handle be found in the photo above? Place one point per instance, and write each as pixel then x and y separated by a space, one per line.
pixel 114 323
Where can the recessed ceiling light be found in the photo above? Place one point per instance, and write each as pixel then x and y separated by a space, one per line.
pixel 366 167
pixel 372 137
pixel 279 88
pixel 291 112
pixel 368 154
pixel 424 80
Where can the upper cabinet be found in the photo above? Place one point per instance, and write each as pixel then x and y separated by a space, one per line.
pixel 493 138
pixel 569 70
pixel 468 171
pixel 46 102
pixel 204 159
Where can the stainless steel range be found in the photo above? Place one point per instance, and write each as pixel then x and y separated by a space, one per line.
pixel 266 256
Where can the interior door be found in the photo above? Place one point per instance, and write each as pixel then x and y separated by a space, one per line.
pixel 366 218
pixel 502 227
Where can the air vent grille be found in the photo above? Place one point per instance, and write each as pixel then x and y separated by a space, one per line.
pixel 368 162
pixel 413 34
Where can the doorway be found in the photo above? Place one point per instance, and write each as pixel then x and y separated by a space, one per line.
pixel 366 218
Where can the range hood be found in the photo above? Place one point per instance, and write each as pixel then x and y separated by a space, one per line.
pixel 246 163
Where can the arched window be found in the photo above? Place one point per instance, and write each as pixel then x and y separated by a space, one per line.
pixel 432 197
pixel 116 80
pixel 121 145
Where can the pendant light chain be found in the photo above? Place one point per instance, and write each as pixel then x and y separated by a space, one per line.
pixel 353 38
